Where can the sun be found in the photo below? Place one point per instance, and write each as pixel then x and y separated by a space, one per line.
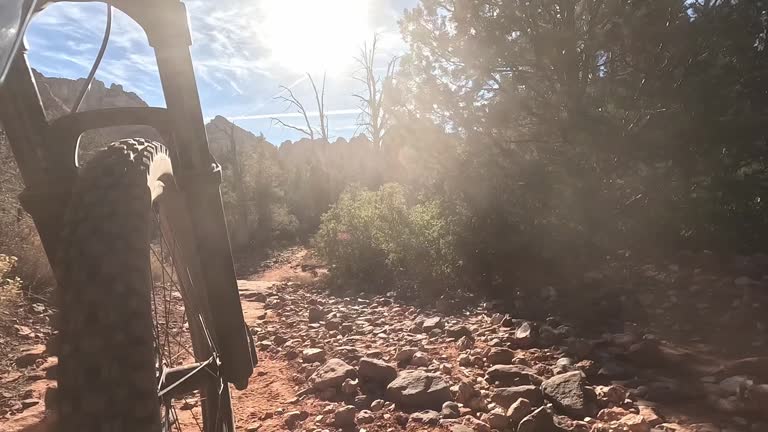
pixel 315 35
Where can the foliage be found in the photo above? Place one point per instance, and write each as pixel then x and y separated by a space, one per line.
pixel 378 240
pixel 592 126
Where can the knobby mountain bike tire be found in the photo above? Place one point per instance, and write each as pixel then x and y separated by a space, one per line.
pixel 128 313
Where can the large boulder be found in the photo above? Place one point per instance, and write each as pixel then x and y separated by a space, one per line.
pixel 332 374
pixel 376 371
pixel 419 390
pixel 512 375
pixel 506 396
pixel 568 393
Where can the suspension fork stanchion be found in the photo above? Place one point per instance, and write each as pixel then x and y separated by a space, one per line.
pixel 199 179
pixel 48 183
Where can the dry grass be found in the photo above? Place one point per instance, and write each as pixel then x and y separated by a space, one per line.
pixel 18 238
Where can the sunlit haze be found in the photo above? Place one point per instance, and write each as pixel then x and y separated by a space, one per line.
pixel 243 51
pixel 312 35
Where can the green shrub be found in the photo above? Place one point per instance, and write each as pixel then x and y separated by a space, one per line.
pixel 380 241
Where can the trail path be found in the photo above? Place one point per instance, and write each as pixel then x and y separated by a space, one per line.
pixel 468 368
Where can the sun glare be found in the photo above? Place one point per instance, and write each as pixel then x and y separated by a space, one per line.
pixel 315 35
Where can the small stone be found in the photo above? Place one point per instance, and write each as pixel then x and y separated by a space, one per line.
pixel 457 332
pixel 420 359
pixel 30 355
pixel 518 411
pixel 315 314
pixel 23 331
pixel 540 420
pixel 506 396
pixel 650 416
pixel 293 418
pixel 313 355
pixel 466 343
pixel 401 419
pixel 496 319
pixel 29 403
pixel 512 375
pixel 405 355
pixel 476 425
pixel 464 391
pixel 612 414
pixel 499 356
pixel 377 405
pixel 426 417
pixel 465 360
pixel 253 427
pixel 345 416
pixel 432 324
pixel 496 419
pixel 450 410
pixel 365 417
pixel 349 387
pixel 613 394
pixel 635 423
pixel 362 402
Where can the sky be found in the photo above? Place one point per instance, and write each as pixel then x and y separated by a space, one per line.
pixel 243 51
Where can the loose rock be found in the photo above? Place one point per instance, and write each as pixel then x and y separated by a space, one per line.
pixel 313 355
pixel 345 416
pixel 432 324
pixel 568 394
pixel 540 420
pixel 315 314
pixel 450 410
pixel 518 411
pixel 30 355
pixel 496 419
pixel 500 356
pixel 376 371
pixel 506 396
pixel 419 389
pixel 428 417
pixel 331 374
pixel 512 375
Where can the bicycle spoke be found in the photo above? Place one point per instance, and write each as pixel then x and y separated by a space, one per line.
pixel 177 313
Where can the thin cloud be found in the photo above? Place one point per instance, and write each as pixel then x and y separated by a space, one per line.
pixel 338 112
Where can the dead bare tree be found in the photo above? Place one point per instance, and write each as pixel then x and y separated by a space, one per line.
pixel 294 102
pixel 320 100
pixel 373 115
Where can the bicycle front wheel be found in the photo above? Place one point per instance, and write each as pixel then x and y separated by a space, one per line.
pixel 135 341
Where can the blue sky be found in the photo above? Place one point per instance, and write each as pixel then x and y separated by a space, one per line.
pixel 243 51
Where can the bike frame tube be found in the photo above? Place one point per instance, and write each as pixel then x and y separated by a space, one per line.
pixel 49 166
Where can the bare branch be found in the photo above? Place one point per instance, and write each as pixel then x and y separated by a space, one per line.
pixel 293 101
pixel 320 99
pixel 296 128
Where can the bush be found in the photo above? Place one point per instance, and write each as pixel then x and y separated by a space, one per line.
pixel 381 242
pixel 18 238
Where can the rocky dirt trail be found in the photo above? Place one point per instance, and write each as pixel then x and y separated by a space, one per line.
pixel 372 363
